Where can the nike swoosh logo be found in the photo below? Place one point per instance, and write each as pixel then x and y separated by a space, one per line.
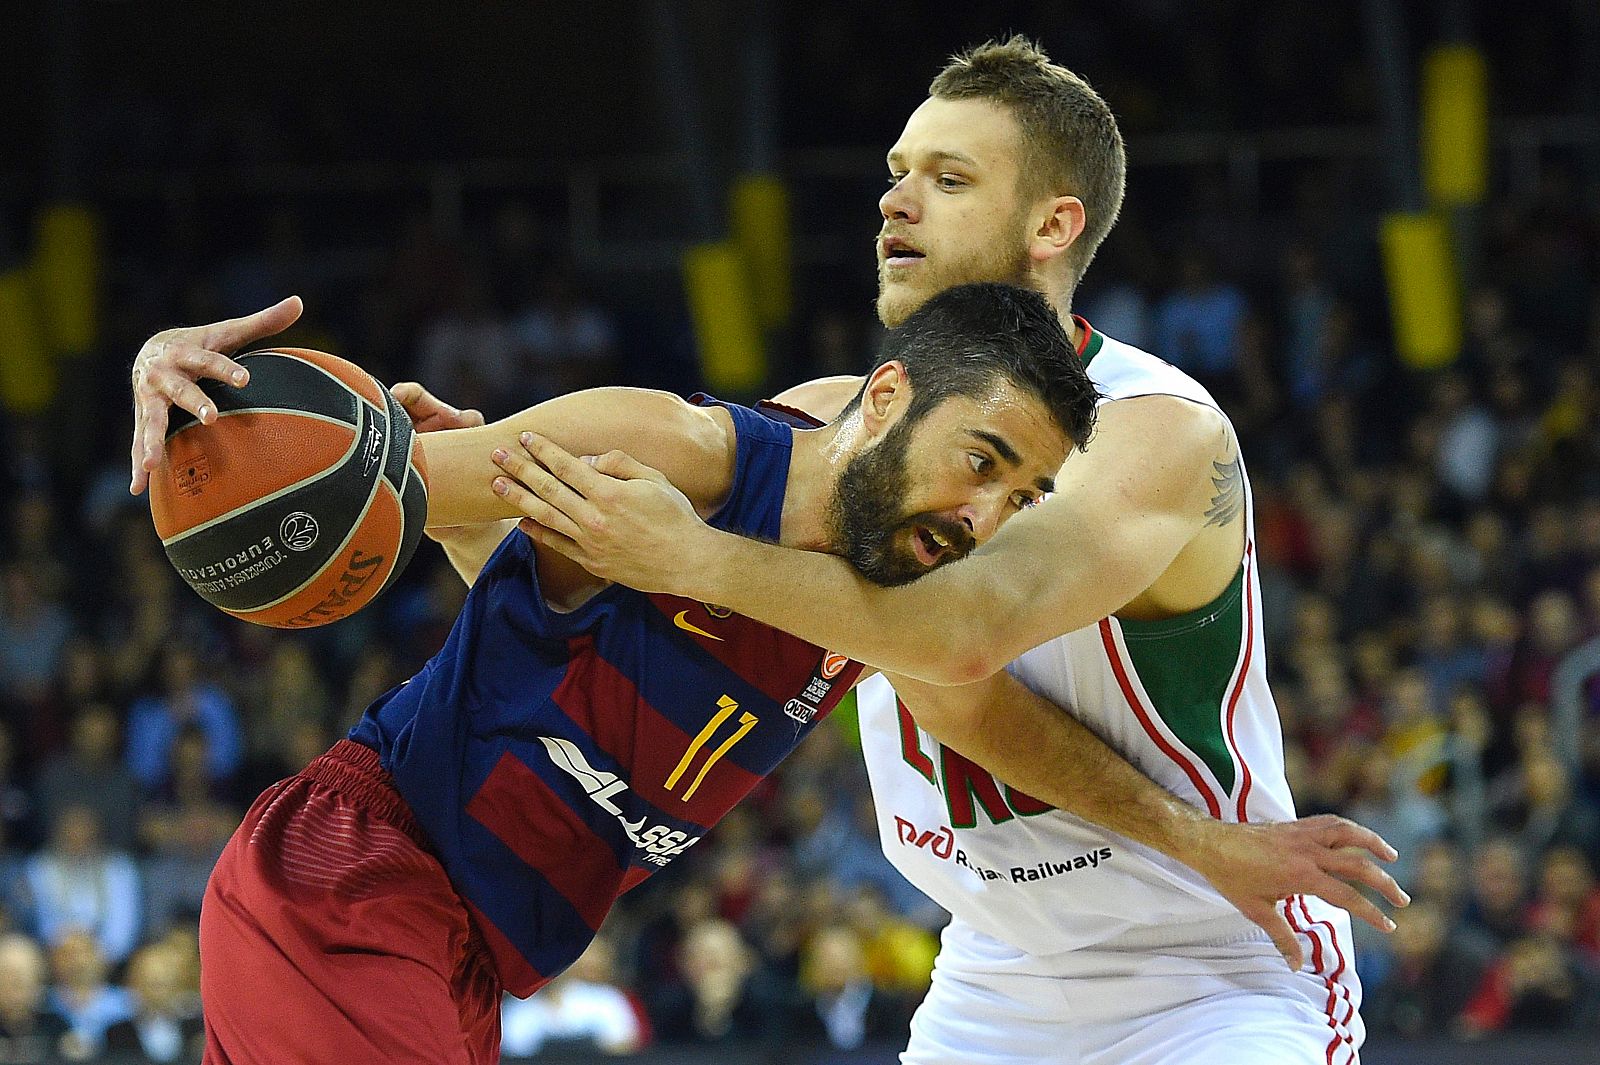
pixel 681 620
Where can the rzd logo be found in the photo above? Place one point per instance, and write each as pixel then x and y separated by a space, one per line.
pixel 941 843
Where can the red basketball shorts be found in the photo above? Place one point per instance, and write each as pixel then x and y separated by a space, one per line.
pixel 330 934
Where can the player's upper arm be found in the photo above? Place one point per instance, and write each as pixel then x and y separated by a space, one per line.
pixel 823 398
pixel 1122 511
pixel 691 445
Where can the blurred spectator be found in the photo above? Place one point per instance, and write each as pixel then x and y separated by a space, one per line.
pixel 470 348
pixel 1308 304
pixel 91 774
pixel 36 542
pixel 16 806
pixel 1568 902
pixel 30 1032
pixel 1535 985
pixel 567 342
pixel 1553 629
pixel 16 905
pixel 81 995
pixel 1468 439
pixel 1497 906
pixel 165 1026
pixel 33 634
pixel 582 1009
pixel 844 1008
pixel 1542 809
pixel 723 994
pixel 76 884
pixel 899 954
pixel 659 942
pixel 182 699
pixel 1440 880
pixel 84 678
pixel 290 699
pixel 1385 799
pixel 1436 970
pixel 184 835
pixel 839 841
pixel 1443 654
pixel 1198 324
pixel 1415 733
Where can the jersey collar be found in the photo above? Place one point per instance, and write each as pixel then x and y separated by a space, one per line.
pixel 1091 343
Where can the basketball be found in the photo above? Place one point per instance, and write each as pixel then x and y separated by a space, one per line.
pixel 301 501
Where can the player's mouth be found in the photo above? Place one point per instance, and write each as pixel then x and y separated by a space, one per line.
pixel 930 547
pixel 897 253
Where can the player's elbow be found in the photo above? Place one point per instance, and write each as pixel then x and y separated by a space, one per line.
pixel 970 653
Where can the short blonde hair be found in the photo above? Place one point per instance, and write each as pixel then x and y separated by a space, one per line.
pixel 1070 137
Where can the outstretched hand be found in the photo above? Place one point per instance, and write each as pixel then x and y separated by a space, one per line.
pixel 616 517
pixel 171 362
pixel 1259 866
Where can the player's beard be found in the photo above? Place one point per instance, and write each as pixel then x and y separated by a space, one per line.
pixel 867 516
pixel 1004 260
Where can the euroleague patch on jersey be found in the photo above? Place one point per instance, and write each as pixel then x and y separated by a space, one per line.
pixel 805 707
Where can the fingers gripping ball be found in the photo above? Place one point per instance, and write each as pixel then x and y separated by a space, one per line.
pixel 301 501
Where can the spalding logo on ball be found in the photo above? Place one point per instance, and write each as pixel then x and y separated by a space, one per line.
pixel 301 501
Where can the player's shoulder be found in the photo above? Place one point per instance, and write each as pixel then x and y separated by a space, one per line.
pixel 1144 398
pixel 1176 426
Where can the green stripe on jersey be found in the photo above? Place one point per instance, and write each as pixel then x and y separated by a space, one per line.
pixel 1185 663
pixel 1092 348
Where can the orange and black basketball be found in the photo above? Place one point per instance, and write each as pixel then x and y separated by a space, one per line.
pixel 301 501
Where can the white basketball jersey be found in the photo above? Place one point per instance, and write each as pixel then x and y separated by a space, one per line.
pixel 1184 699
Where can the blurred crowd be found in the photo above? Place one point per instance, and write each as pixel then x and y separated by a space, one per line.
pixel 1429 545
pixel 1430 551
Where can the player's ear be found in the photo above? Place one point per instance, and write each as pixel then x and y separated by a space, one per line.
pixel 887 394
pixel 1061 223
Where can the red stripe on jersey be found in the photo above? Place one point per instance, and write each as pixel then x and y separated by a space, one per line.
pixel 774 663
pixel 1338 971
pixel 603 702
pixel 1238 686
pixel 519 978
pixel 1336 989
pixel 542 830
pixel 1160 741
pixel 1316 965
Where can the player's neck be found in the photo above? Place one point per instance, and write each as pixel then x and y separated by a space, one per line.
pixel 815 462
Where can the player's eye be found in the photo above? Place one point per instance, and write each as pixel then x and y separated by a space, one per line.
pixel 1024 500
pixel 894 179
pixel 981 463
pixel 950 181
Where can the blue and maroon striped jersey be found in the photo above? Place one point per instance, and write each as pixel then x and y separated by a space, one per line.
pixel 557 759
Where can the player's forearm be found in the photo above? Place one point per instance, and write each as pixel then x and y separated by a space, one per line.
pixel 935 629
pixel 1040 749
pixel 658 428
pixel 468 547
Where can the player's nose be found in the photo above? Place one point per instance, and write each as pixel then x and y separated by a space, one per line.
pixel 982 519
pixel 899 205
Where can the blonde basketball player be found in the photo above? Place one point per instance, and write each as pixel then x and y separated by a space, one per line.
pixel 1129 597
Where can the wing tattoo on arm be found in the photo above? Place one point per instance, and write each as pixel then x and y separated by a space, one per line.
pixel 1228 502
